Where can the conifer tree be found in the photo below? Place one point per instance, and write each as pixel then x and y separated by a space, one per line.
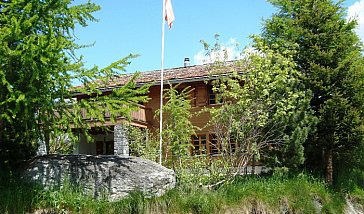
pixel 38 65
pixel 328 55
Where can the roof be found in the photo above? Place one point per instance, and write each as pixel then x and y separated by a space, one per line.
pixel 176 75
pixel 173 75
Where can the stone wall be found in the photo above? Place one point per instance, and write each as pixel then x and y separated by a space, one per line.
pixel 110 175
pixel 42 148
pixel 121 145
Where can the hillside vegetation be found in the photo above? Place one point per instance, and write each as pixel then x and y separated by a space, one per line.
pixel 276 194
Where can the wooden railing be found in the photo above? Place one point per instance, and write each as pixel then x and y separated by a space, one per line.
pixel 143 114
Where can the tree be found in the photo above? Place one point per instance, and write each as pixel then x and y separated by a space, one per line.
pixel 177 126
pixel 143 143
pixel 328 55
pixel 264 111
pixel 38 65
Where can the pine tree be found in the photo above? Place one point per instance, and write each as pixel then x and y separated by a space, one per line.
pixel 328 54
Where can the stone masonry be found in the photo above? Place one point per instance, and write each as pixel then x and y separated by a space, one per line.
pixel 42 148
pixel 121 145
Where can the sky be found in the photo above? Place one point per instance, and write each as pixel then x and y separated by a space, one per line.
pixel 135 26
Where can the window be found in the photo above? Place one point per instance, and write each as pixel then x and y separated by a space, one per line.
pixel 215 146
pixel 212 96
pixel 233 146
pixel 199 143
pixel 208 144
pixel 205 144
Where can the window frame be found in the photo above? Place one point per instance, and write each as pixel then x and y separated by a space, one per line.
pixel 199 138
pixel 212 97
pixel 208 146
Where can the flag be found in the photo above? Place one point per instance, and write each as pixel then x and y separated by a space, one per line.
pixel 169 13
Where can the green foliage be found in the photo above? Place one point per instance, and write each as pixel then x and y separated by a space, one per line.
pixel 357 195
pixel 143 143
pixel 349 179
pixel 246 194
pixel 177 126
pixel 38 66
pixel 264 106
pixel 202 171
pixel 16 196
pixel 327 53
pixel 61 143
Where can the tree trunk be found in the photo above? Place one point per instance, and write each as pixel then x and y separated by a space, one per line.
pixel 47 141
pixel 328 166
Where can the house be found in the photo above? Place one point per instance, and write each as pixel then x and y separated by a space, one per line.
pixel 197 77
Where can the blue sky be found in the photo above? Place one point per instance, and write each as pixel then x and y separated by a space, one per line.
pixel 134 26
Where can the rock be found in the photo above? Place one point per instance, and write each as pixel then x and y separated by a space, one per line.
pixel 110 175
pixel 353 207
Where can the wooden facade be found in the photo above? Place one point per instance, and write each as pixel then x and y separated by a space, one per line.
pixel 204 143
pixel 141 118
pixel 194 77
pixel 199 100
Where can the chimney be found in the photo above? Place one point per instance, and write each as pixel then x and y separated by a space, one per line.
pixel 186 62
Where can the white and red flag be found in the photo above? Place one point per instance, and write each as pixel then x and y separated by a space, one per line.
pixel 169 13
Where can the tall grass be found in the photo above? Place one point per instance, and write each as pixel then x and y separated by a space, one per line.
pixel 16 196
pixel 300 194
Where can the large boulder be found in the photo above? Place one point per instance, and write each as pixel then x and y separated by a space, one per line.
pixel 110 175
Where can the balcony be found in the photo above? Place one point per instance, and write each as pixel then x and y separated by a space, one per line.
pixel 141 117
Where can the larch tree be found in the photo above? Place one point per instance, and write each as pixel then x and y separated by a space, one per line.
pixel 328 54
pixel 177 125
pixel 38 65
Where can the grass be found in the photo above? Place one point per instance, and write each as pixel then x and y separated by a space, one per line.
pixel 15 195
pixel 260 194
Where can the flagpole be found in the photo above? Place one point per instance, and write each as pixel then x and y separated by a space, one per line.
pixel 161 98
